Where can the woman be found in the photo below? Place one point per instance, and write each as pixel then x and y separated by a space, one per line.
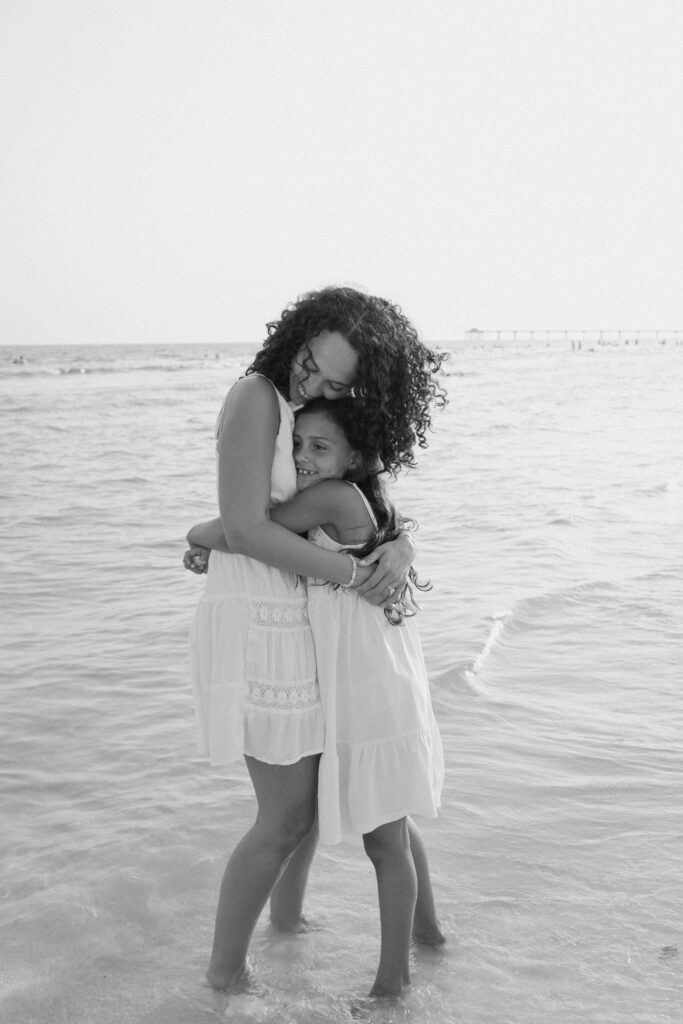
pixel 253 659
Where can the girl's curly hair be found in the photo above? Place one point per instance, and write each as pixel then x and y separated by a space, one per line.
pixel 389 521
pixel 396 382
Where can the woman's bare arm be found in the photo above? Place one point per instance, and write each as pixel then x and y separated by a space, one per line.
pixel 208 535
pixel 246 448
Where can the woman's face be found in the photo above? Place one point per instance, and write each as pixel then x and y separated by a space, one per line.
pixel 325 367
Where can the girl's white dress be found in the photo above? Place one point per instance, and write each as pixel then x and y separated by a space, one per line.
pixel 252 659
pixel 383 756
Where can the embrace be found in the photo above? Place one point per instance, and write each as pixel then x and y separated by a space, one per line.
pixel 306 659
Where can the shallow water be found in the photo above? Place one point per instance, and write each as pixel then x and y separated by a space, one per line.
pixel 550 505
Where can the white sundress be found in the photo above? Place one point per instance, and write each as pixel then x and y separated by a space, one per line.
pixel 252 659
pixel 383 756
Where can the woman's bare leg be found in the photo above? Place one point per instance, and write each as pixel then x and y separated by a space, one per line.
pixel 286 796
pixel 388 847
pixel 287 898
pixel 426 927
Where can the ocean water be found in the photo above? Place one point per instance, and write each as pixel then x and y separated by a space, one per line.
pixel 550 504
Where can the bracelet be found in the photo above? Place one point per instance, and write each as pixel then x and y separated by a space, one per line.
pixel 354 570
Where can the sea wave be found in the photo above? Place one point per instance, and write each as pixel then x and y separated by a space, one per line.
pixel 559 704
pixel 671 486
pixel 497 627
pixel 23 371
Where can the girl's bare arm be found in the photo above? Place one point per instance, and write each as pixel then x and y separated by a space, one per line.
pixel 331 504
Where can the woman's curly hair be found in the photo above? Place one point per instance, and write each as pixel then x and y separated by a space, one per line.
pixel 396 383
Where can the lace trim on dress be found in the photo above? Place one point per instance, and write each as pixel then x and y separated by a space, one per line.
pixel 278 697
pixel 279 614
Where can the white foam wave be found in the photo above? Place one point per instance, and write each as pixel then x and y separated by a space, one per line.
pixel 499 620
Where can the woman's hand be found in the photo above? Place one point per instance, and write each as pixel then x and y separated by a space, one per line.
pixel 196 559
pixel 390 576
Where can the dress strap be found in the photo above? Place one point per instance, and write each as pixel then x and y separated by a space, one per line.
pixel 365 501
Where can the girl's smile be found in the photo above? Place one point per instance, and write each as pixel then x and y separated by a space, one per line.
pixel 321 451
pixel 325 367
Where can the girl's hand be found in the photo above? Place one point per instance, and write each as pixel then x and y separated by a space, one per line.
pixel 196 559
pixel 390 576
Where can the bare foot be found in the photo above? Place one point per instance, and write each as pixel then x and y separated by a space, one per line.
pixel 428 933
pixel 391 992
pixel 298 927
pixel 361 1009
pixel 241 981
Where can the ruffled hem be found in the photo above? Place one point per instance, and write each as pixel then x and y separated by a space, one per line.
pixel 283 738
pixel 363 786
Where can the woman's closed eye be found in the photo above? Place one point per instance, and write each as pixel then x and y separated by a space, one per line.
pixel 312 369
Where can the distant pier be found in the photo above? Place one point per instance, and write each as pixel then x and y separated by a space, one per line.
pixel 572 339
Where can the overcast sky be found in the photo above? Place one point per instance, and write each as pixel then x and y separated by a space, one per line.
pixel 179 170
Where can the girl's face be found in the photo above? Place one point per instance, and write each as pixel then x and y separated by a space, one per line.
pixel 321 451
pixel 325 367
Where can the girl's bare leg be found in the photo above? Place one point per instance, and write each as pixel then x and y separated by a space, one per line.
pixel 388 847
pixel 286 796
pixel 287 898
pixel 426 927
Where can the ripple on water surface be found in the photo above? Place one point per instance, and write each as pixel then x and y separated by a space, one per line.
pixel 553 638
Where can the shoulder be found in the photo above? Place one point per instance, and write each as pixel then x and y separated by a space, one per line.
pixel 345 502
pixel 252 395
pixel 254 386
pixel 331 490
pixel 251 403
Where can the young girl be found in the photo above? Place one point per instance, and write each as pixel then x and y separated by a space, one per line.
pixel 253 661
pixel 382 759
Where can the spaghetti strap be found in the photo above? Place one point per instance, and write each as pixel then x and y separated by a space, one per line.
pixel 366 502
